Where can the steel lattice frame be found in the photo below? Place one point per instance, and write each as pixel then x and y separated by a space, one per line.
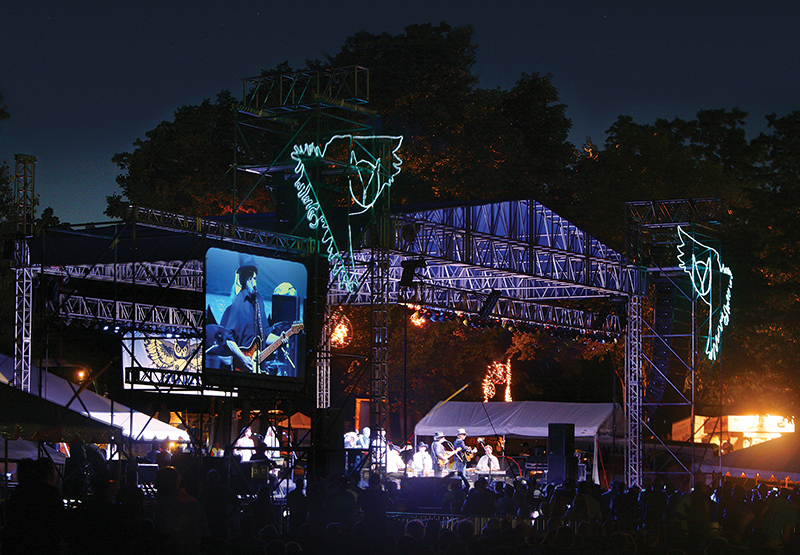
pixel 324 360
pixel 24 195
pixel 653 224
pixel 634 381
pixel 527 252
pixel 175 274
pixel 379 383
pixel 23 321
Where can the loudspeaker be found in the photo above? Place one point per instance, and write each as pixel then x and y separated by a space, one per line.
pixel 560 469
pixel 560 440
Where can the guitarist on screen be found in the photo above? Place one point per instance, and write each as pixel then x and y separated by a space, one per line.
pixel 247 327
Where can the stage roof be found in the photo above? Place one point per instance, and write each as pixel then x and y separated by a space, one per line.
pixel 520 418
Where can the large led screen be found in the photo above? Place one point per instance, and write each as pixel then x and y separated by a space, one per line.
pixel 254 314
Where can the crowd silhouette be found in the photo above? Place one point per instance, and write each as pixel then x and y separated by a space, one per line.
pixel 342 518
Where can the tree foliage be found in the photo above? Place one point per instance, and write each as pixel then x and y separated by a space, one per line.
pixel 185 165
pixel 462 142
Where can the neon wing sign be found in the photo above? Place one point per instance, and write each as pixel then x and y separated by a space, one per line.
pixel 373 163
pixel 701 262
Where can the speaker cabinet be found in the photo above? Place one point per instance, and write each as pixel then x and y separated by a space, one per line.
pixel 560 440
pixel 561 469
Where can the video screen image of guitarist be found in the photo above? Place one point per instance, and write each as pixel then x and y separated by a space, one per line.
pixel 254 314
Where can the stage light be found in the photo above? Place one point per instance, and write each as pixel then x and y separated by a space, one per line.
pixel 409 271
pixel 342 332
pixel 489 303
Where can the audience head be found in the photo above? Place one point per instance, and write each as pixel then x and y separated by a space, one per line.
pixel 167 480
pixel 415 528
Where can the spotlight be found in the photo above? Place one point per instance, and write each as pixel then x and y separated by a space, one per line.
pixel 489 303
pixel 409 271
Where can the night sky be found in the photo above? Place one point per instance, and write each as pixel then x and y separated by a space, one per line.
pixel 83 80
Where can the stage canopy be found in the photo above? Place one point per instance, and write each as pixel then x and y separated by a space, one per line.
pixel 299 421
pixel 779 457
pixel 133 424
pixel 25 416
pixel 520 418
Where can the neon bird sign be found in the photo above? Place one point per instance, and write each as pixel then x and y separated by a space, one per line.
pixel 699 261
pixel 373 175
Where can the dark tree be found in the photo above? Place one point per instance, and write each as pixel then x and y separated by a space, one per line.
pixel 185 165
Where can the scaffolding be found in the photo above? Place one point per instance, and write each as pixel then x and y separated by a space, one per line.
pixel 24 195
pixel 661 374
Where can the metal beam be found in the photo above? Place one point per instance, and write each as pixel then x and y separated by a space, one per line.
pixel 177 274
pixel 131 315
pixel 223 231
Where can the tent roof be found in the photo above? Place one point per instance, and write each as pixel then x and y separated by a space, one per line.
pixel 27 416
pixel 519 418
pixel 298 421
pixel 134 425
pixel 779 457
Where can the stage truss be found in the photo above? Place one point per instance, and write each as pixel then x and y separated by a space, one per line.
pixel 662 349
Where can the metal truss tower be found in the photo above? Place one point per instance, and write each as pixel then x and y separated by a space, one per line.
pixel 24 195
pixel 662 371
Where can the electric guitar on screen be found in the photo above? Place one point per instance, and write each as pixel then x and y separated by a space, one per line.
pixel 258 355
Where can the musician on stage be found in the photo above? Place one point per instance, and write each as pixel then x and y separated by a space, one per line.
pixel 488 462
pixel 438 453
pixel 245 445
pixel 461 449
pixel 421 463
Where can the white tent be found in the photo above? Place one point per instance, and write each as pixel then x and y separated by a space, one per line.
pixel 520 418
pixel 135 425
pixel 524 419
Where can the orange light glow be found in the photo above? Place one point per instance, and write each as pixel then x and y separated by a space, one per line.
pixel 498 373
pixel 417 319
pixel 342 332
